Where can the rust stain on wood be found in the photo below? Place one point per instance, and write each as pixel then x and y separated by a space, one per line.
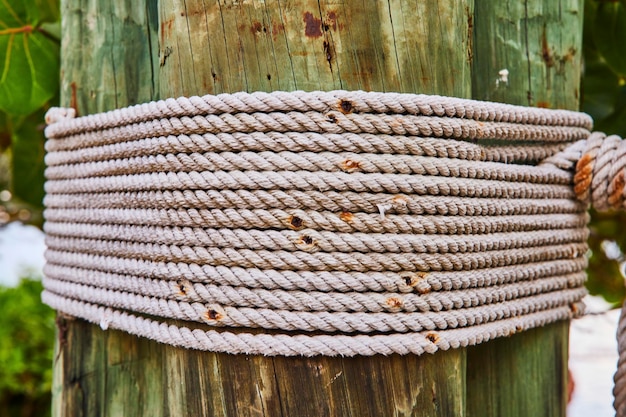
pixel 546 53
pixel 166 29
pixel 73 99
pixel 331 21
pixel 277 28
pixel 256 28
pixel 166 52
pixel 312 26
pixel 569 56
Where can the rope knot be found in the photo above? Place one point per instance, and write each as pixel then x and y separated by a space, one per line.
pixel 599 177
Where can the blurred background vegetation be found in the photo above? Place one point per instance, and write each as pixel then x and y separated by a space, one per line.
pixel 29 85
pixel 26 349
pixel 29 68
pixel 604 98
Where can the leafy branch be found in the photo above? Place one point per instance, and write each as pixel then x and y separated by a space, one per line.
pixel 29 84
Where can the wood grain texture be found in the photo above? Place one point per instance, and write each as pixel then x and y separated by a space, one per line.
pixel 537 42
pixel 225 46
pixel 523 375
pixel 121 52
pixel 107 54
pixel 111 374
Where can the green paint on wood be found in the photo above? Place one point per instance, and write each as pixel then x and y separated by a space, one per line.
pixel 121 52
pixel 523 375
pixel 106 60
pixel 537 42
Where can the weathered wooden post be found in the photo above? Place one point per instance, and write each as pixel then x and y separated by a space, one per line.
pixel 122 52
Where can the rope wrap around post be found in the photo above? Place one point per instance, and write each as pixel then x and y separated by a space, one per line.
pixel 341 223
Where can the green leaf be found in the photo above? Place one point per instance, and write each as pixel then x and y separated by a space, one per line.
pixel 12 14
pixel 29 57
pixel 609 33
pixel 29 71
pixel 28 159
pixel 19 13
pixel 40 11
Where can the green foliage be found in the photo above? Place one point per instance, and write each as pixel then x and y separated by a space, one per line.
pixel 29 57
pixel 27 141
pixel 604 80
pixel 26 350
pixel 604 271
pixel 29 84
pixel 607 20
pixel 604 98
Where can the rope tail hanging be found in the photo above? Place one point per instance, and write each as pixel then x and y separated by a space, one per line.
pixel 339 223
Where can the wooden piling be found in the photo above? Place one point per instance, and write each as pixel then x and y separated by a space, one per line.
pixel 121 52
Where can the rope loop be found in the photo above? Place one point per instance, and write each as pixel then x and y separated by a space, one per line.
pixel 322 223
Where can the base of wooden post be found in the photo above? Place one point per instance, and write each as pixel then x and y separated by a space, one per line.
pixel 112 373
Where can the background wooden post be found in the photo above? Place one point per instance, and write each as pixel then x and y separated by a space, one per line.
pixel 116 53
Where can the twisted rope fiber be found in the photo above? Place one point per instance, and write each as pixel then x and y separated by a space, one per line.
pixel 318 261
pixel 306 141
pixel 345 202
pixel 331 122
pixel 305 161
pixel 346 322
pixel 312 300
pixel 312 241
pixel 358 101
pixel 327 281
pixel 322 220
pixel 293 345
pixel 342 223
pixel 309 181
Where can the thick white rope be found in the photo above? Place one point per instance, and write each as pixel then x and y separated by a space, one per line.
pixel 344 202
pixel 318 220
pixel 345 102
pixel 341 223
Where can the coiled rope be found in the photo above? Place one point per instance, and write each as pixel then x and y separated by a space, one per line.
pixel 324 223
